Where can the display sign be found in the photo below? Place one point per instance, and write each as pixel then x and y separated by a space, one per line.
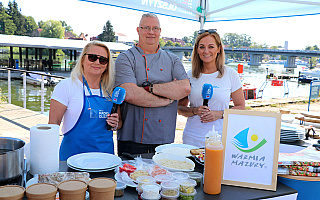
pixel 251 140
pixel 314 91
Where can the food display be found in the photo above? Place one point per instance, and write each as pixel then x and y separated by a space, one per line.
pixel 127 168
pixel 187 186
pixel 199 155
pixel 188 196
pixel 120 189
pixel 138 173
pixel 56 178
pixel 176 164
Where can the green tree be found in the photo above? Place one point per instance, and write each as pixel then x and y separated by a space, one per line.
pixel 193 37
pixel 108 34
pixel 40 23
pixel 177 44
pixel 66 26
pixel 235 40
pixel 169 43
pixel 10 27
pixel 185 39
pixel 30 25
pixel 161 42
pixel 17 18
pixel 52 29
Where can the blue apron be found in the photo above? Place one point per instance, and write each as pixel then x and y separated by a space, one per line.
pixel 90 133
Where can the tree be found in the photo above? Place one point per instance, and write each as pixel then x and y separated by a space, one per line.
pixel 185 39
pixel 177 44
pixel 17 18
pixel 169 43
pixel 9 26
pixel 40 23
pixel 235 40
pixel 66 26
pixel 108 34
pixel 192 38
pixel 30 25
pixel 161 42
pixel 52 29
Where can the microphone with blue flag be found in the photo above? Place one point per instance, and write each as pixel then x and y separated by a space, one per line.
pixel 207 92
pixel 118 97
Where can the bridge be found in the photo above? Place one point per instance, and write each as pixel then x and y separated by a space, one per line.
pixel 255 54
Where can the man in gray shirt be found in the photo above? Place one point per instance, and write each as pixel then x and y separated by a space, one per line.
pixel 154 79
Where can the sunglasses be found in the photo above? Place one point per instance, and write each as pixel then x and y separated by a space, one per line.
pixel 209 30
pixel 93 57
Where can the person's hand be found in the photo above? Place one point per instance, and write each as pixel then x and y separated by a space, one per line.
pixel 210 116
pixel 113 121
pixel 201 110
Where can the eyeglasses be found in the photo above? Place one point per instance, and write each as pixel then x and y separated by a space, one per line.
pixel 93 57
pixel 148 28
pixel 209 30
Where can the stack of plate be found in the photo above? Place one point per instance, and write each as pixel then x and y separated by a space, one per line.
pixel 93 162
pixel 291 132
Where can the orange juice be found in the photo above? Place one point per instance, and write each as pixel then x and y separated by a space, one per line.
pixel 213 169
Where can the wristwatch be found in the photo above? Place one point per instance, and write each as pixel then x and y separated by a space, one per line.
pixel 146 85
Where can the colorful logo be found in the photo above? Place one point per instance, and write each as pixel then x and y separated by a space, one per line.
pixel 240 141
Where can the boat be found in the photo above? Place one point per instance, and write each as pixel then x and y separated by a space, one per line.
pixel 35 79
pixel 313 73
pixel 307 79
pixel 249 91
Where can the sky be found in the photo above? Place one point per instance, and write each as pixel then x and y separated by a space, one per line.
pixel 89 18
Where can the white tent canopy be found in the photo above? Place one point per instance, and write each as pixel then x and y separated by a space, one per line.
pixel 53 43
pixel 220 10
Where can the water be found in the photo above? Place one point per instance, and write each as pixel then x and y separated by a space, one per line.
pixel 253 75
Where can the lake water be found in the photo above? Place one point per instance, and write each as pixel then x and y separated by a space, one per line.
pixel 253 75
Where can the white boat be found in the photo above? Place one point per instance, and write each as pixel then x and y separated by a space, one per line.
pixel 36 79
pixel 313 73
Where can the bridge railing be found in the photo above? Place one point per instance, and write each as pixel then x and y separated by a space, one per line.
pixel 24 82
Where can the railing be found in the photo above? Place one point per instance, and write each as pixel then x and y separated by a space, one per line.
pixel 25 84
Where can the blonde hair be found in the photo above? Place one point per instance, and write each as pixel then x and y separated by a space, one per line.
pixel 197 64
pixel 107 77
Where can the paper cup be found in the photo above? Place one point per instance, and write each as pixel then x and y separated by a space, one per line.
pixel 11 192
pixel 72 190
pixel 43 191
pixel 102 188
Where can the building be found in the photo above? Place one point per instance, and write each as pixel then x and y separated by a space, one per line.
pixel 166 39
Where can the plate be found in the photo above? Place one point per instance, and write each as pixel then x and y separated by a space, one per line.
pixel 91 170
pixel 118 178
pixel 176 149
pixel 156 158
pixel 93 161
pixel 32 181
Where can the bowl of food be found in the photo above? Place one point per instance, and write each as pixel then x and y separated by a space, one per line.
pixel 173 162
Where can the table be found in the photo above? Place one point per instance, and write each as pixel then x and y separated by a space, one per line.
pixel 227 192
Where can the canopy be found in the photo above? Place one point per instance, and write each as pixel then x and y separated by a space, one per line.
pixel 220 10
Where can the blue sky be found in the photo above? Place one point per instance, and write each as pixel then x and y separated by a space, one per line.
pixel 90 18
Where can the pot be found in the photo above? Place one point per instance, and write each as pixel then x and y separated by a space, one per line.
pixel 11 158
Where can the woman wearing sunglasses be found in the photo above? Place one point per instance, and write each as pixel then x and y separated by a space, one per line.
pixel 83 101
pixel 208 66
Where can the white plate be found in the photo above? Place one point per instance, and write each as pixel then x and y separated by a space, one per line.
pixel 91 170
pixel 32 181
pixel 173 157
pixel 117 176
pixel 94 161
pixel 163 148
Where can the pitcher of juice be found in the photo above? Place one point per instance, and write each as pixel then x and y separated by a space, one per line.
pixel 213 164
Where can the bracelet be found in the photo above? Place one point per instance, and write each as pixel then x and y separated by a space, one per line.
pixel 151 88
pixel 192 110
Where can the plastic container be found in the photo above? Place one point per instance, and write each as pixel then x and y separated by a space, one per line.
pixel 188 196
pixel 180 175
pixel 151 191
pixel 146 198
pixel 139 193
pixel 163 177
pixel 43 191
pixel 169 194
pixel 120 189
pixel 170 185
pixel 197 176
pixel 143 180
pixel 72 190
pixel 102 188
pixel 213 162
pixel 187 185
pixel 11 192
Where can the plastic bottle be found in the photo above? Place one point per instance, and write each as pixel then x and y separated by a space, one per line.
pixel 213 163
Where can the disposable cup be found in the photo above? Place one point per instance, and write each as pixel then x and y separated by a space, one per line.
pixel 169 194
pixel 41 191
pixel 163 177
pixel 102 188
pixel 11 192
pixel 187 196
pixel 72 190
pixel 187 186
pixel 120 189
pixel 143 180
pixel 148 198
pixel 170 185
pixel 197 176
pixel 151 190
pixel 180 175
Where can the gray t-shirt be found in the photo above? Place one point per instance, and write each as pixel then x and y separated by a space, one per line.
pixel 148 125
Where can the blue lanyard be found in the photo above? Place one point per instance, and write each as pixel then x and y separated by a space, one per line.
pixel 86 83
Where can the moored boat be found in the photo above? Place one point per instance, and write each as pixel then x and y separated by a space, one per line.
pixel 35 79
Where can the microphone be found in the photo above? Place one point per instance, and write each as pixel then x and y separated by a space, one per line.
pixel 118 96
pixel 207 92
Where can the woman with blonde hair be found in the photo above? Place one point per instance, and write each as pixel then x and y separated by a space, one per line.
pixel 83 101
pixel 208 66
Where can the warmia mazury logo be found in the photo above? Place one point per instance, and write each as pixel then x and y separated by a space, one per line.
pixel 241 141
